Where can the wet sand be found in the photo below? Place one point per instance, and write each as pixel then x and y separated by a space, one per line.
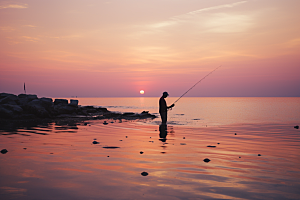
pixel 61 162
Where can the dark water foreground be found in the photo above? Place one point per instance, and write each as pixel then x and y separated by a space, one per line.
pixel 67 161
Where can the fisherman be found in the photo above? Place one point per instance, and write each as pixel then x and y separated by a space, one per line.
pixel 163 108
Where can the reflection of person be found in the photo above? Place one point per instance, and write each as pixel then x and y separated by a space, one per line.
pixel 163 132
pixel 163 108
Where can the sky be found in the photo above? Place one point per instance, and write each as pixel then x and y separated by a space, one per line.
pixel 115 48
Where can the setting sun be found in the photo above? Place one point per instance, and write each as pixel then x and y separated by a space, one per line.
pixel 142 92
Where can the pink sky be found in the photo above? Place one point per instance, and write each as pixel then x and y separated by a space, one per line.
pixel 115 48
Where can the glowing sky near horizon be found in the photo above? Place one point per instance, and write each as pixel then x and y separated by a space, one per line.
pixel 95 48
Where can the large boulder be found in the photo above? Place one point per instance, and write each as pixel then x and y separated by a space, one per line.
pixel 37 108
pixel 73 102
pixel 6 113
pixel 46 103
pixel 10 99
pixel 15 108
pixel 64 109
pixel 3 95
pixel 23 99
pixel 61 101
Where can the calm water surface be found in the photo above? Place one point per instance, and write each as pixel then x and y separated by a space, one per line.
pixel 59 160
pixel 197 112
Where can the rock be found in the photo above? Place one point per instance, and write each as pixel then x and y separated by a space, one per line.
pixel 61 101
pixel 141 152
pixel 111 147
pixel 95 142
pixel 258 155
pixel 6 113
pixel 211 146
pixel 235 134
pixel 64 109
pixel 296 127
pixel 144 174
pixel 182 143
pixel 105 123
pixel 183 137
pixel 128 114
pixel 73 102
pixel 30 97
pixel 4 151
pixel 37 108
pixel 206 160
pixel 3 95
pixel 11 99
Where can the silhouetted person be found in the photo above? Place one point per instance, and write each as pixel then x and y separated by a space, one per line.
pixel 163 108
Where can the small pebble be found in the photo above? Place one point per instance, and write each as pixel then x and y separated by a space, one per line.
pixel 258 155
pixel 144 174
pixel 4 151
pixel 206 160
pixel 141 152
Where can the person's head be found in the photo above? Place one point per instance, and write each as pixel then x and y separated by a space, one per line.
pixel 165 94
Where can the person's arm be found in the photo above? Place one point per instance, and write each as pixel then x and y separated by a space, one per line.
pixel 171 106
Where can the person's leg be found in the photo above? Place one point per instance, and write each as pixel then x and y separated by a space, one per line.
pixel 163 116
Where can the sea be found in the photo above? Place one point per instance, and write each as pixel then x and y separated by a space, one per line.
pixel 212 148
pixel 208 111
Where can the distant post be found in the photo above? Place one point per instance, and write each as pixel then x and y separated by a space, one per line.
pixel 24 88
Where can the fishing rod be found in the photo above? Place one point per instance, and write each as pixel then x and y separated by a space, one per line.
pixel 197 83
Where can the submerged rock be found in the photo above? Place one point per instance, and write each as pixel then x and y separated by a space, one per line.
pixel 95 142
pixel 4 151
pixel 141 152
pixel 206 160
pixel 296 127
pixel 144 173
pixel 111 147
pixel 211 146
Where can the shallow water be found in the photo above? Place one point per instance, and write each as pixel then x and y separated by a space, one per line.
pixel 60 161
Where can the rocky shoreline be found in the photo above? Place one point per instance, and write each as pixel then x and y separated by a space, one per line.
pixel 24 107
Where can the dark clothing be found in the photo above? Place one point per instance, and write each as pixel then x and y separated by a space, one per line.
pixel 162 105
pixel 163 110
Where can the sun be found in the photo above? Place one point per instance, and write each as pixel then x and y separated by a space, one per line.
pixel 142 92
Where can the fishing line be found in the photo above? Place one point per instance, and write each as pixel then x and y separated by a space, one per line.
pixel 197 83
